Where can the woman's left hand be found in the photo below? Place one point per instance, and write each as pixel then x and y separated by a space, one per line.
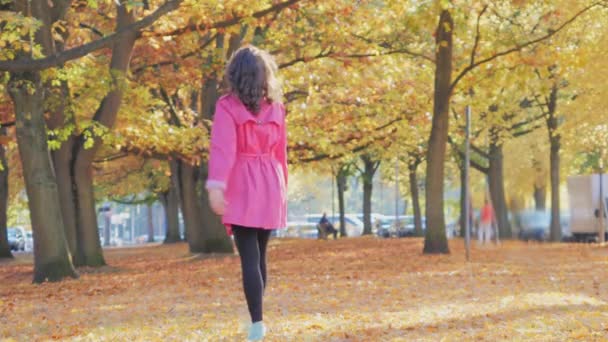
pixel 216 201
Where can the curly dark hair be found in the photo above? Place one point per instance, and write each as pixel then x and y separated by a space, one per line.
pixel 250 75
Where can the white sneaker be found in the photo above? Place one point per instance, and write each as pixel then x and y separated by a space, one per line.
pixel 257 331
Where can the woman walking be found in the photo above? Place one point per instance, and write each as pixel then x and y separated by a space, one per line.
pixel 247 179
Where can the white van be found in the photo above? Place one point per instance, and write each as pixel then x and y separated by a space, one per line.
pixel 584 198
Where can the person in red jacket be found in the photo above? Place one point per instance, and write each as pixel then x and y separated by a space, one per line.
pixel 486 221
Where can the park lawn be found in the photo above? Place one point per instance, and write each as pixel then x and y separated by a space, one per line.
pixel 359 289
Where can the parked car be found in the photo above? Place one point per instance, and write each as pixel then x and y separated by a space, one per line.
pixel 410 227
pixel 405 226
pixel 375 217
pixel 16 238
pixel 402 226
pixel 354 226
pixel 535 225
pixel 299 229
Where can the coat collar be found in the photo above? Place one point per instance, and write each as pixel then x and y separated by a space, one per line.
pixel 270 112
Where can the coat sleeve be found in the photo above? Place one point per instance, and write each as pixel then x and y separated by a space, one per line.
pixel 222 149
pixel 281 150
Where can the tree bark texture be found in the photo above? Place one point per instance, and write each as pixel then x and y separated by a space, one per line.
pixel 555 144
pixel 341 184
pixel 540 187
pixel 57 102
pixel 5 250
pixel 412 169
pixel 52 260
pixel 170 200
pixel 497 190
pixel 435 238
pixel 89 251
pixel 191 208
pixel 369 170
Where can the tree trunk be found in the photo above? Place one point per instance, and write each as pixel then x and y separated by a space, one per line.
pixel 62 160
pixel 49 13
pixel 170 200
pixel 216 239
pixel 5 249
pixel 556 229
pixel 370 167
pixel 497 190
pixel 62 157
pixel 89 247
pixel 341 184
pixel 554 140
pixel 88 251
pixel 540 197
pixel 540 187
pixel 150 219
pixel 435 238
pixel 191 208
pixel 367 207
pixel 413 167
pixel 52 260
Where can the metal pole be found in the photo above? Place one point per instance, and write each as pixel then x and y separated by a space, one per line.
pixel 396 194
pixel 602 231
pixel 333 196
pixel 132 212
pixel 467 224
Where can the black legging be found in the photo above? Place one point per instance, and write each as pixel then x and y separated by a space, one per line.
pixel 251 243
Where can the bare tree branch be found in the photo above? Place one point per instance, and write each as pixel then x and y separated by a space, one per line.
pixel 229 22
pixel 389 46
pixel 529 130
pixel 523 123
pixel 477 35
pixel 141 68
pixel 92 29
pixel 329 54
pixel 474 163
pixel 321 54
pixel 111 157
pixel 294 95
pixel 349 139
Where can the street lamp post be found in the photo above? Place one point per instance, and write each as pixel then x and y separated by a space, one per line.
pixel 396 194
pixel 467 157
pixel 602 231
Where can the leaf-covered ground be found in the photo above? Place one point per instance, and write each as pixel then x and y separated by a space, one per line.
pixel 362 289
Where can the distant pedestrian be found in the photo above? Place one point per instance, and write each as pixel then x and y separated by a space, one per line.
pixel 247 180
pixel 486 221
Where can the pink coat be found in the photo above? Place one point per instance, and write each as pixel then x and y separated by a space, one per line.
pixel 248 159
